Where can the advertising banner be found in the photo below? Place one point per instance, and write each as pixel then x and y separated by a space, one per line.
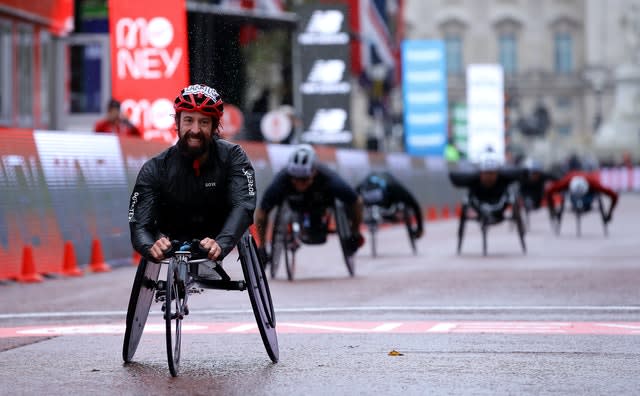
pixel 325 87
pixel 149 62
pixel 424 90
pixel 27 216
pixel 86 181
pixel 485 110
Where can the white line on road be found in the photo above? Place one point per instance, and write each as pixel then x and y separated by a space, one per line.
pixel 577 309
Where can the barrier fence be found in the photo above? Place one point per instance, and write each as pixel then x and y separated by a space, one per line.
pixel 65 196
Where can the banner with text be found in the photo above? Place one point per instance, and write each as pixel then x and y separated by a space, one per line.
pixel 324 63
pixel 149 62
pixel 424 90
pixel 485 110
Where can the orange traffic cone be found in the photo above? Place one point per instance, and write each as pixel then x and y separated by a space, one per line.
pixel 97 263
pixel 29 273
pixel 445 212
pixel 135 258
pixel 70 264
pixel 458 210
pixel 432 214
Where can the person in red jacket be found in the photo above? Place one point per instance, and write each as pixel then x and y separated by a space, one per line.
pixel 582 187
pixel 114 122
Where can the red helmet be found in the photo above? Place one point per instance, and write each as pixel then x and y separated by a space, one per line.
pixel 200 98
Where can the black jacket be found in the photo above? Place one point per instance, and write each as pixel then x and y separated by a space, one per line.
pixel 171 199
pixel 326 186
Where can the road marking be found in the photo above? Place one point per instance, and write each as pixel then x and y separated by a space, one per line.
pixel 243 328
pixel 408 327
pixel 442 328
pixel 386 327
pixel 576 309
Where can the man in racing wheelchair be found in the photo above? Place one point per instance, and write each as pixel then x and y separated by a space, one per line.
pixel 582 189
pixel 387 200
pixel 491 192
pixel 203 187
pixel 533 184
pixel 200 191
pixel 310 189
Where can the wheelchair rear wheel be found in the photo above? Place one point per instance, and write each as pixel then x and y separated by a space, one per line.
pixel 603 215
pixel 344 234
pixel 463 220
pixel 277 239
pixel 408 221
pixel 289 254
pixel 144 285
pixel 259 294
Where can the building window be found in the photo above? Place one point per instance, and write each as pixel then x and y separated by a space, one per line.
pixel 563 53
pixel 453 47
pixel 563 102
pixel 25 75
pixel 564 129
pixel 46 49
pixel 6 68
pixel 507 46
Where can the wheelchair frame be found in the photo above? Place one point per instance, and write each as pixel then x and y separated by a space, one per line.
pixel 286 241
pixel 181 282
pixel 375 215
pixel 510 201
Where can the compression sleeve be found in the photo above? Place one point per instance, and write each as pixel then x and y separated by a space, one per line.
pixel 242 198
pixel 142 209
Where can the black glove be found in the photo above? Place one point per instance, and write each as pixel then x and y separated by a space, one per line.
pixel 355 242
pixel 417 233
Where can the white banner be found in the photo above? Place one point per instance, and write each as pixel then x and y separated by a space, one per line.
pixel 485 109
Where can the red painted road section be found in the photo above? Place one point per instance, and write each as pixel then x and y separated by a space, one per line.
pixel 453 327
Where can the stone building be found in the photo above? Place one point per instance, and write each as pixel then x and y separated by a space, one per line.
pixel 561 53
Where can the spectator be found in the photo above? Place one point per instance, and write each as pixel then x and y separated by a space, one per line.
pixel 115 122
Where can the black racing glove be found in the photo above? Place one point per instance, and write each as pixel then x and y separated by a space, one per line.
pixel 355 242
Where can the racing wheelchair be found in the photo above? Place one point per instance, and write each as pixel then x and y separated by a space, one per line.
pixel 290 233
pixel 508 207
pixel 376 215
pixel 186 264
pixel 580 205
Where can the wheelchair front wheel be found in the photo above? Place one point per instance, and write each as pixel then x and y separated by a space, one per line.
pixel 174 311
pixel 144 285
pixel 260 296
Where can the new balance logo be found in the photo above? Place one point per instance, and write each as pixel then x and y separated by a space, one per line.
pixel 326 77
pixel 329 120
pixel 328 127
pixel 325 22
pixel 324 28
